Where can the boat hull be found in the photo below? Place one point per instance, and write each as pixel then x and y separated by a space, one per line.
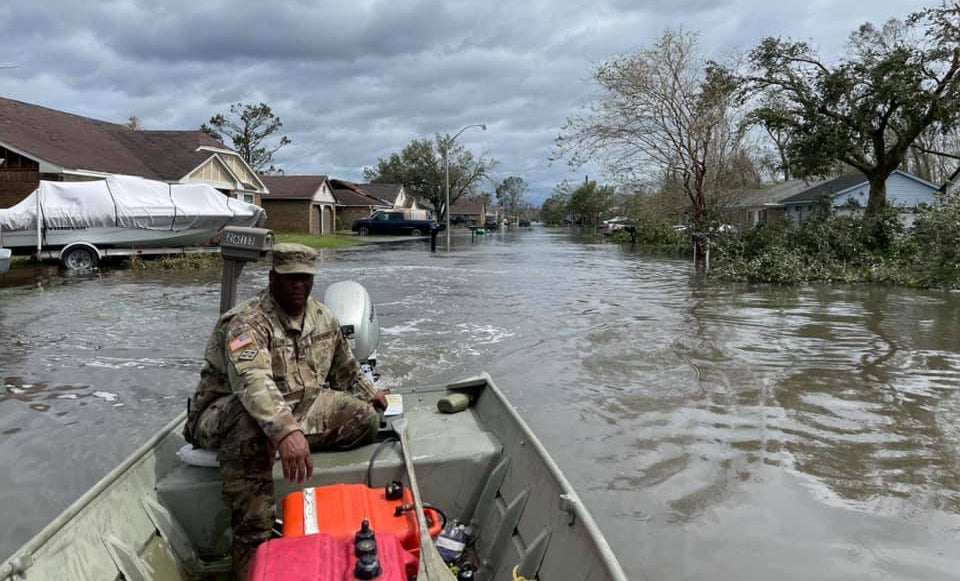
pixel 108 237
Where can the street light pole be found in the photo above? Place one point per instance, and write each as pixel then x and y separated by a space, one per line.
pixel 446 171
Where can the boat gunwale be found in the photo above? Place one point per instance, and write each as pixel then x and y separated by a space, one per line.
pixel 583 515
pixel 23 557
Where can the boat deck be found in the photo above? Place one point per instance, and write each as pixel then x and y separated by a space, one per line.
pixel 452 455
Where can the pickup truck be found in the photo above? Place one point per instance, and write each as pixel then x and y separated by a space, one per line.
pixel 387 222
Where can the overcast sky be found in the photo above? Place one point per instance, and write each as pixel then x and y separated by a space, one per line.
pixel 356 80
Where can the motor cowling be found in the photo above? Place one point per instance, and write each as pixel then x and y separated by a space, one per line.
pixel 351 304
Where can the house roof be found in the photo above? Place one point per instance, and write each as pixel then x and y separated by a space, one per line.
pixel 347 197
pixel 388 192
pixel 770 194
pixel 81 143
pixel 467 206
pixel 826 188
pixel 293 187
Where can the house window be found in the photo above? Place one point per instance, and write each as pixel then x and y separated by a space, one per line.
pixel 245 197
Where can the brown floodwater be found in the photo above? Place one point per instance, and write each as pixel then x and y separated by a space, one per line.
pixel 716 431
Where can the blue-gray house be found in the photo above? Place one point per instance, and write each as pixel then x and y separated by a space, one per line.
pixel 904 191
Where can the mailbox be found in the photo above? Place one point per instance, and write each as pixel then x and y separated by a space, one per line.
pixel 238 246
pixel 245 244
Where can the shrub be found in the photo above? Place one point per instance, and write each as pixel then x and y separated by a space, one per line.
pixel 849 248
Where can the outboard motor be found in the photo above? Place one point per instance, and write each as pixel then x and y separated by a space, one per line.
pixel 353 308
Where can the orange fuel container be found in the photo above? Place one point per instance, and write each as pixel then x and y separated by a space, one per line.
pixel 338 510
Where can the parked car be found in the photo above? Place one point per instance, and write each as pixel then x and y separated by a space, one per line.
pixel 394 223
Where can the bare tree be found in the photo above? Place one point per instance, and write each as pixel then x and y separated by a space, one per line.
pixel 510 195
pixel 251 129
pixel 665 114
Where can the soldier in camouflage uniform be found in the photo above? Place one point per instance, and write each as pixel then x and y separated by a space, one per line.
pixel 279 377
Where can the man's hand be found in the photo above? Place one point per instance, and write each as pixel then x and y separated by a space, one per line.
pixel 379 401
pixel 295 456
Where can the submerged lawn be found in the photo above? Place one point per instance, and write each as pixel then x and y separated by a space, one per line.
pixel 317 241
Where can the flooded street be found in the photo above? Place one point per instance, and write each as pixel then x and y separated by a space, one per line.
pixel 716 431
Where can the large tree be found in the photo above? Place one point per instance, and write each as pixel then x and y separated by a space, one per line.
pixel 867 110
pixel 510 195
pixel 664 114
pixel 420 168
pixel 251 129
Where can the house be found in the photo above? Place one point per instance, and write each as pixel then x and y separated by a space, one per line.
pixel 40 143
pixel 396 194
pixel 797 200
pixel 386 192
pixel 468 210
pixel 354 203
pixel 300 204
pixel 762 205
pixel 847 193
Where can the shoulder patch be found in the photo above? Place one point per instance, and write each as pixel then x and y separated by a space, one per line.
pixel 247 355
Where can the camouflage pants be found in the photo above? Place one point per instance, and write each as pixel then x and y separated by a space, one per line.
pixel 334 421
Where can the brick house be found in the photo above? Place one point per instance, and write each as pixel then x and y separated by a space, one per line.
pixel 468 210
pixel 40 143
pixel 300 204
pixel 354 202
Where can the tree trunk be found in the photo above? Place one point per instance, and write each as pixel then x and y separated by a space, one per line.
pixel 878 194
pixel 784 162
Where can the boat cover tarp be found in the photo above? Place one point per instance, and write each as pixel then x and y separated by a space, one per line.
pixel 130 202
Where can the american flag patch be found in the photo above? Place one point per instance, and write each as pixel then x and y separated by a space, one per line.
pixel 240 341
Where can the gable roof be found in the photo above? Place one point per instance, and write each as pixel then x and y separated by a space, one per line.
pixel 467 206
pixel 388 192
pixel 73 142
pixel 349 197
pixel 827 188
pixel 771 194
pixel 293 187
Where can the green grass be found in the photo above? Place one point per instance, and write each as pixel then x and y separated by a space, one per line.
pixel 317 241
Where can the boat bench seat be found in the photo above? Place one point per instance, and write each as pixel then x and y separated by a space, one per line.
pixel 452 460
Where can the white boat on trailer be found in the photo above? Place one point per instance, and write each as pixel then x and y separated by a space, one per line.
pixel 81 222
pixel 160 515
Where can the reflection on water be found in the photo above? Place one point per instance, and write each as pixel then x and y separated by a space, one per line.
pixel 716 431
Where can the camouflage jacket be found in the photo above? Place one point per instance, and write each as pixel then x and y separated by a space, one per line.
pixel 275 365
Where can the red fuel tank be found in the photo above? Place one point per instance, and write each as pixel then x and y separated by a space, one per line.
pixel 337 510
pixel 323 558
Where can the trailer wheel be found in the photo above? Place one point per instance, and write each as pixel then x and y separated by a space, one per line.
pixel 79 258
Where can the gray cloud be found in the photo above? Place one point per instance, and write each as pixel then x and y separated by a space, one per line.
pixel 354 81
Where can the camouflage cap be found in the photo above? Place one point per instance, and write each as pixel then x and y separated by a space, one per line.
pixel 294 258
